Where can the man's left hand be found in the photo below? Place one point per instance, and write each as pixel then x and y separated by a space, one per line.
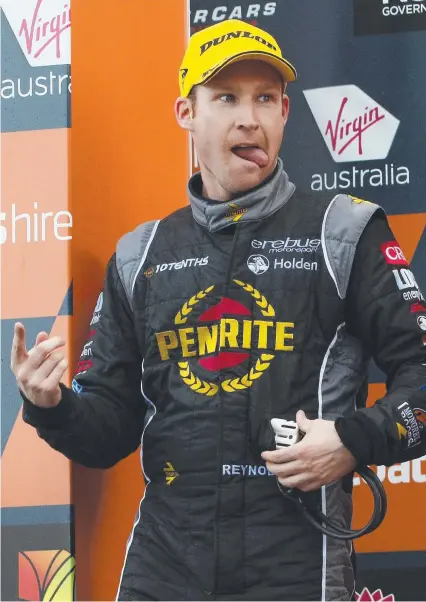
pixel 318 459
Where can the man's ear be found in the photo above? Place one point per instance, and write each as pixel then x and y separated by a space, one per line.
pixel 285 107
pixel 184 113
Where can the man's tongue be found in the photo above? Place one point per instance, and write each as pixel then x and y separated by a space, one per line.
pixel 252 153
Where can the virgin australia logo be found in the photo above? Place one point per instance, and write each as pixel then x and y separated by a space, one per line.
pixel 42 28
pixel 353 125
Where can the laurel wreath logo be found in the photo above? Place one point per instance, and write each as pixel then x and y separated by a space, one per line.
pixel 208 388
pixel 266 308
pixel 182 315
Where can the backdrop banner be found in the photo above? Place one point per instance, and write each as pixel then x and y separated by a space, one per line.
pixel 357 125
pixel 37 558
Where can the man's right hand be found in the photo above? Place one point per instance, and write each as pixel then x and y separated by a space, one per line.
pixel 38 371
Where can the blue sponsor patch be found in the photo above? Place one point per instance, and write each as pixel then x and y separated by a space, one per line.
pixel 76 387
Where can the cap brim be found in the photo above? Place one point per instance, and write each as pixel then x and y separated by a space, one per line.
pixel 286 69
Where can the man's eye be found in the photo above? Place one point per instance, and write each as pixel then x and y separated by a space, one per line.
pixel 265 97
pixel 228 98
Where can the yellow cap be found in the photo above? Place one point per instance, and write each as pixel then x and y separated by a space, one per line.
pixel 227 42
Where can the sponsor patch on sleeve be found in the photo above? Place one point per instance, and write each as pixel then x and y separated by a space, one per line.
pixel 76 387
pixel 393 254
pixel 409 427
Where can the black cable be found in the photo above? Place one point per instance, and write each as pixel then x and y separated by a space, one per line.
pixel 316 518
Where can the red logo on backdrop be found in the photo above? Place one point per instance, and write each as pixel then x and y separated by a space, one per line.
pixel 224 359
pixel 377 596
pixel 393 254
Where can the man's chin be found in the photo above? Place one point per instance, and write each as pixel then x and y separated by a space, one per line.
pixel 243 181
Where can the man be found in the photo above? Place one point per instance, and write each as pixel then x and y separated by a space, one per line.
pixel 256 301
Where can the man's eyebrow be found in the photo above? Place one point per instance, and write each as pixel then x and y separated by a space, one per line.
pixel 269 85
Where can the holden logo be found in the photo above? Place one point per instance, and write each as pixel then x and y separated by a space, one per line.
pixel 421 321
pixel 377 596
pixel 258 264
pixel 353 125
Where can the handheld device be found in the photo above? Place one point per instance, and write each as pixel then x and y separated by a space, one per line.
pixel 287 433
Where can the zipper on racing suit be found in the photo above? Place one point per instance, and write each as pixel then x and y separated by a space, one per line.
pixel 220 446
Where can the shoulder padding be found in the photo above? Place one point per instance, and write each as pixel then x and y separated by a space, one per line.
pixel 344 222
pixel 131 252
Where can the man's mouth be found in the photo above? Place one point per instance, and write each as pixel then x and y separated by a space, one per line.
pixel 251 153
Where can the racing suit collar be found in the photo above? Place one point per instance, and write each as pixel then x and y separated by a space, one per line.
pixel 256 204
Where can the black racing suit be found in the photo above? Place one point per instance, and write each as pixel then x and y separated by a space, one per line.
pixel 211 322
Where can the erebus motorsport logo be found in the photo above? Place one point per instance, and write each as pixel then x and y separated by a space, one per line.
pixel 388 16
pixel 42 28
pixel 288 245
pixel 224 336
pixel 354 128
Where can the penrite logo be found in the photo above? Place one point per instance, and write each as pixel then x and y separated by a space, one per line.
pixel 42 28
pixel 388 16
pixel 217 342
pixel 354 128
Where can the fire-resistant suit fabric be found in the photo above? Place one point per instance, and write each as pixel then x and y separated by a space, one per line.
pixel 211 322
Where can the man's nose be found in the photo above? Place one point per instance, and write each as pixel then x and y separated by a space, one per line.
pixel 246 118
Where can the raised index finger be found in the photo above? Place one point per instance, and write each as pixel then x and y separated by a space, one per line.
pixel 19 349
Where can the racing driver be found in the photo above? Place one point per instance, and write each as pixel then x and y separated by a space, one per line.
pixel 256 301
